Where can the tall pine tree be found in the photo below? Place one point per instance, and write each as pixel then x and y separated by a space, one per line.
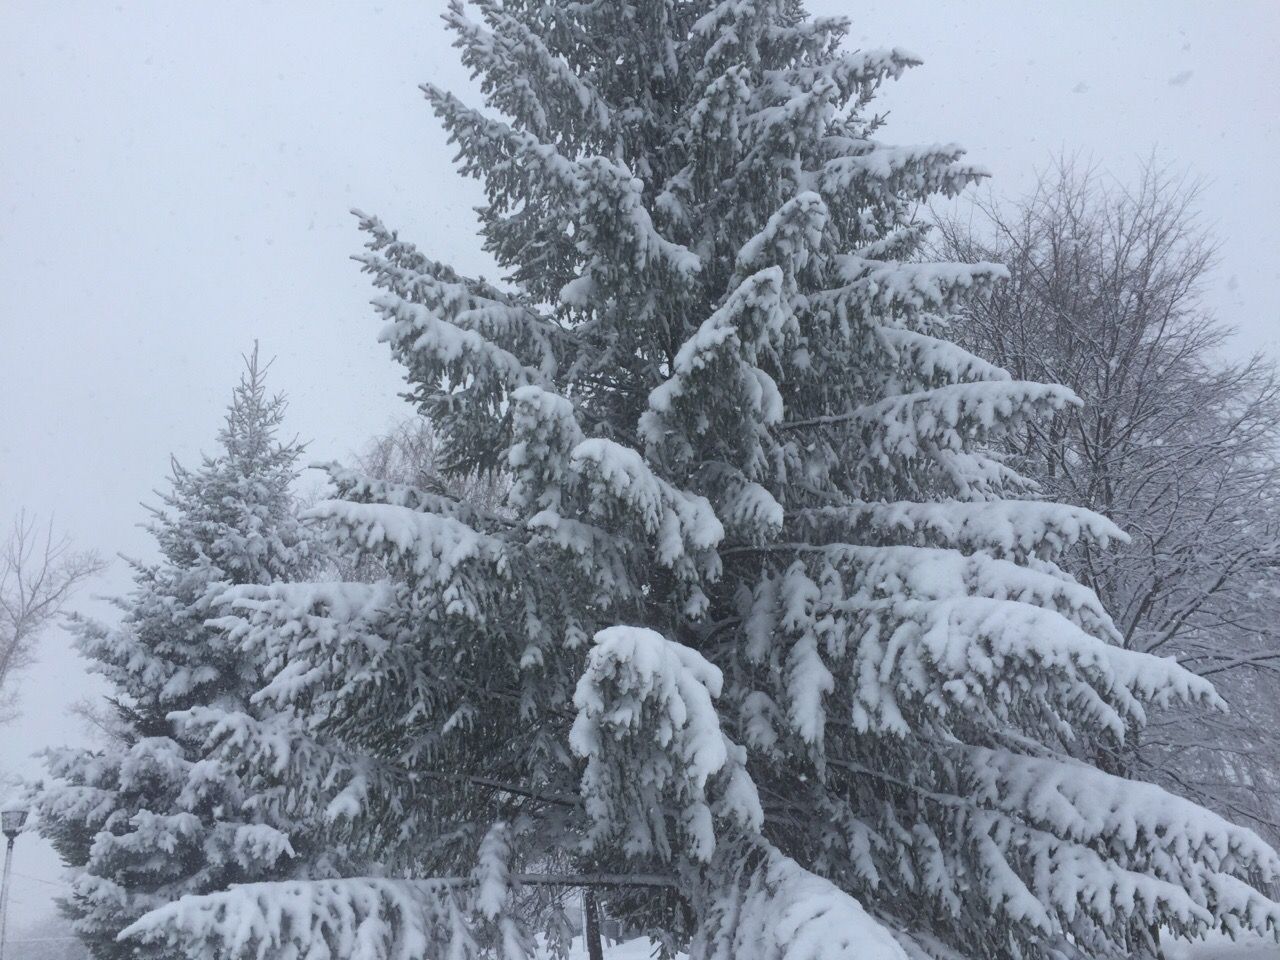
pixel 154 815
pixel 771 651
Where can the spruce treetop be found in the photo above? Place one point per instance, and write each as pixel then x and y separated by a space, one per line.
pixel 232 514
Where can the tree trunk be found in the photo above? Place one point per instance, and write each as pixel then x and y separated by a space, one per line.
pixel 591 918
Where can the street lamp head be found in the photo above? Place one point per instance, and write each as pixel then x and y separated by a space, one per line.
pixel 11 821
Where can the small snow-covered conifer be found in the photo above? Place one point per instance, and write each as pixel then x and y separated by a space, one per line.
pixel 165 808
pixel 770 649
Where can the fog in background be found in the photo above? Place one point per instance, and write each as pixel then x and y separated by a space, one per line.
pixel 175 180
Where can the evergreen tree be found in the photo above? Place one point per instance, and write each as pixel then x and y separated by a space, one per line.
pixel 154 815
pixel 771 652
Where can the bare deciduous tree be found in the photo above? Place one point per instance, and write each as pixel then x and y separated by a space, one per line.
pixel 408 456
pixel 38 574
pixel 409 453
pixel 1173 442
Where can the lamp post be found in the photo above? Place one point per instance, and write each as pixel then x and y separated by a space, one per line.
pixel 11 821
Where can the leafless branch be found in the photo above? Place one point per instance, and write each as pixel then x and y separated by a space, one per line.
pixel 39 572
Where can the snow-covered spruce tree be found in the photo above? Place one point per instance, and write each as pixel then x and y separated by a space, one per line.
pixel 772 651
pixel 154 814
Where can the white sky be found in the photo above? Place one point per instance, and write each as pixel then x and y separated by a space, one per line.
pixel 175 180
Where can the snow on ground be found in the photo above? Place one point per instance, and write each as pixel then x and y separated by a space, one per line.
pixel 1222 948
pixel 641 948
pixel 638 949
pixel 1219 948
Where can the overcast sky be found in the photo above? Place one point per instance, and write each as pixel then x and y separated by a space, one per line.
pixel 175 180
